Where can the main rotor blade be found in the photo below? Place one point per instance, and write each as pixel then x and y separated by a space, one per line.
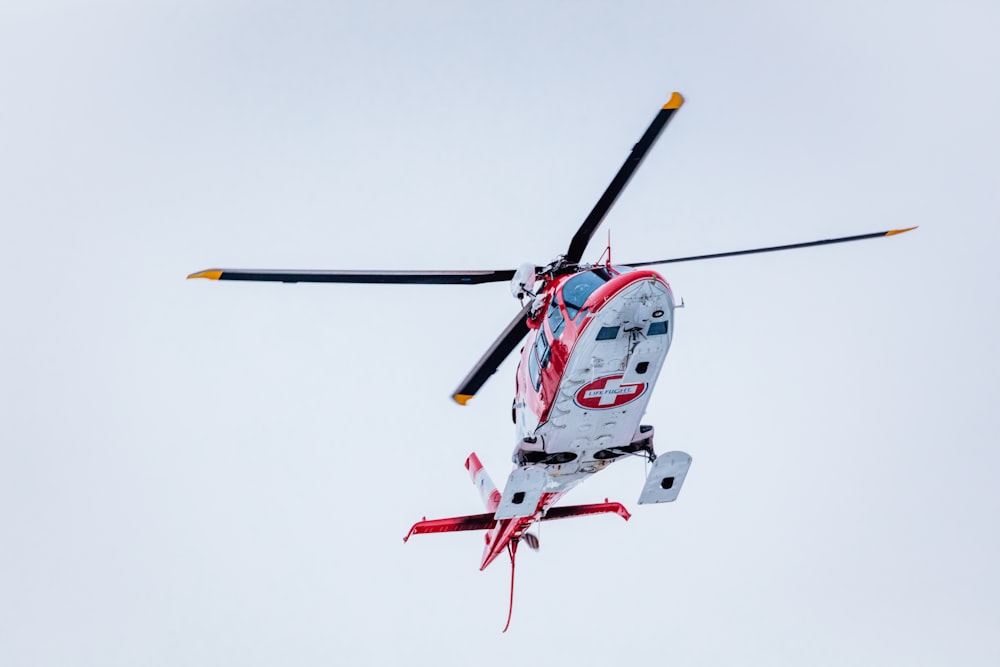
pixel 488 364
pixel 792 246
pixel 583 235
pixel 367 277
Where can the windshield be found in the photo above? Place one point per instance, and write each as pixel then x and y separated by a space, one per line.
pixel 579 287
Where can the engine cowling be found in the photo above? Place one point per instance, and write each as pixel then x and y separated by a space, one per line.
pixel 523 282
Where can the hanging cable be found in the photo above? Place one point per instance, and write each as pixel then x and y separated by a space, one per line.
pixel 512 550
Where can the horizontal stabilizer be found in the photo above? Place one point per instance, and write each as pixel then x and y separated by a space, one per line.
pixel 587 510
pixel 471 522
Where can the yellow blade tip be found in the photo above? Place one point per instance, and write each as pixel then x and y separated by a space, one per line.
pixel 462 399
pixel 211 274
pixel 675 101
pixel 899 231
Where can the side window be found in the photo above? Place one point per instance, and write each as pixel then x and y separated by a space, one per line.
pixel 610 333
pixel 544 351
pixel 658 328
pixel 556 321
pixel 533 372
pixel 538 359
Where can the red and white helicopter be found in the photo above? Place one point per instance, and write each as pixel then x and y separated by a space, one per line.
pixel 595 339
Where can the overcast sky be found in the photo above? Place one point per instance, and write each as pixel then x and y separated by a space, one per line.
pixel 199 473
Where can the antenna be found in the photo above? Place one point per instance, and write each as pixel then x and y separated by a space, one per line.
pixel 606 253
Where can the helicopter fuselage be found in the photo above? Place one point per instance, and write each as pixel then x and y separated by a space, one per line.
pixel 597 344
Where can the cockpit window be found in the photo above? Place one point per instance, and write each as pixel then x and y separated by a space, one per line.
pixel 579 287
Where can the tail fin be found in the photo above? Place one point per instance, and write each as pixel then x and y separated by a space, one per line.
pixel 487 489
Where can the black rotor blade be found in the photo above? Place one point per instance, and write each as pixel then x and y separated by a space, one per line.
pixel 366 277
pixel 583 235
pixel 754 251
pixel 488 364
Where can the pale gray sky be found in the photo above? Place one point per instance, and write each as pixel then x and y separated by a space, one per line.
pixel 203 474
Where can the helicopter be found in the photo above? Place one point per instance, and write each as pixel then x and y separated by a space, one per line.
pixel 595 337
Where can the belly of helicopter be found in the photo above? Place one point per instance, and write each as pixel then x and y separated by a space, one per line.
pixel 606 385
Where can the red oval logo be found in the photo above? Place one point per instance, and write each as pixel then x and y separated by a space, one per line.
pixel 608 392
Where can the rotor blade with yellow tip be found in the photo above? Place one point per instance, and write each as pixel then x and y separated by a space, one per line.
pixel 487 365
pixel 211 274
pixel 791 246
pixel 365 277
pixel 583 235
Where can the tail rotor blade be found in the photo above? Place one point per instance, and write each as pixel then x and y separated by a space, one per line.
pixel 791 246
pixel 583 235
pixel 511 337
